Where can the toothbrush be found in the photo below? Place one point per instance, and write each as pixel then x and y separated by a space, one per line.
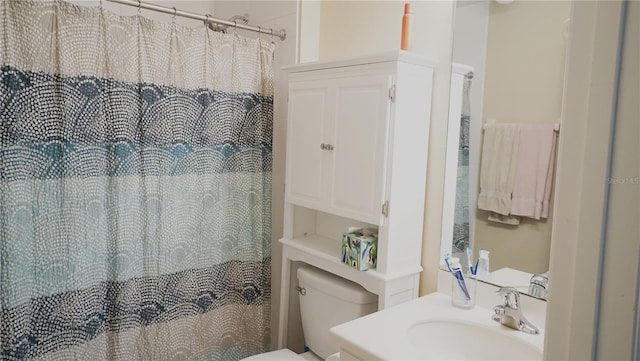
pixel 446 261
pixel 471 272
pixel 456 271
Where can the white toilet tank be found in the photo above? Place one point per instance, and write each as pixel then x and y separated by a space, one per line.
pixel 326 301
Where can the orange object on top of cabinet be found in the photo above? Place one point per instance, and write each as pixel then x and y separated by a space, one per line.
pixel 405 41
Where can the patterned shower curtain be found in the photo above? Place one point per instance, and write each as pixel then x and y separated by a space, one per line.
pixel 135 187
pixel 461 212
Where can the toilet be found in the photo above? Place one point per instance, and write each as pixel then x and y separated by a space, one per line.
pixel 326 300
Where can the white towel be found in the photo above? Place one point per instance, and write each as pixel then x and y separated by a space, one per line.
pixel 499 218
pixel 497 168
pixel 534 171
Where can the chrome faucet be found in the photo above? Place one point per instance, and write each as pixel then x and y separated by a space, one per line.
pixel 509 313
pixel 538 285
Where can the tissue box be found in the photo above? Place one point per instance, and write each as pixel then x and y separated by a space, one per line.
pixel 360 248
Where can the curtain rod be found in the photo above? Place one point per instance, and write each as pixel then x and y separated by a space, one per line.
pixel 207 19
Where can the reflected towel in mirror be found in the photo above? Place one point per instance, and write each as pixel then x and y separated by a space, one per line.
pixel 497 167
pixel 534 171
pixel 499 218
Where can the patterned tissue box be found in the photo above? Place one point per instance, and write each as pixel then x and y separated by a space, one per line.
pixel 360 248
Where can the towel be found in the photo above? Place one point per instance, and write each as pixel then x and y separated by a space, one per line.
pixel 549 182
pixel 499 218
pixel 497 167
pixel 534 171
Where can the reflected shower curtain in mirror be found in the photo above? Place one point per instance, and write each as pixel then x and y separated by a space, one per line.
pixel 461 213
pixel 135 187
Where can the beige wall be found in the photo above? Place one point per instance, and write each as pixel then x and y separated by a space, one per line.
pixel 352 28
pixel 309 30
pixel 523 84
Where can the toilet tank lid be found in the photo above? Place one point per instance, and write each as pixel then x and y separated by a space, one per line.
pixel 335 286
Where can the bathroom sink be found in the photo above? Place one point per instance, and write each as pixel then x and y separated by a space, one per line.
pixel 459 340
pixel 430 328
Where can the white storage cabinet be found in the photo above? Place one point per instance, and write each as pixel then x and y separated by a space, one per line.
pixel 357 140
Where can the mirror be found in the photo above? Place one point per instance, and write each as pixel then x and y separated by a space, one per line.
pixel 509 68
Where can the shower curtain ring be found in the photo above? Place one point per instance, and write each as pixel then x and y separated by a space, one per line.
pixel 235 26
pixel 175 14
pixel 206 22
pixel 139 7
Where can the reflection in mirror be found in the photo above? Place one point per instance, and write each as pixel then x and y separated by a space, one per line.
pixel 516 52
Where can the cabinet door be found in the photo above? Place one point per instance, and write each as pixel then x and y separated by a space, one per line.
pixel 359 139
pixel 308 113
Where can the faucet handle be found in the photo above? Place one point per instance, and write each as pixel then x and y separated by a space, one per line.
pixel 507 292
pixel 509 314
pixel 538 285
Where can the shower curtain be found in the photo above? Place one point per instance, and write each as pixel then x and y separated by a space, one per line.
pixel 135 187
pixel 461 212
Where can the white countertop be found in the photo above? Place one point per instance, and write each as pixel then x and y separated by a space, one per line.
pixel 384 335
pixel 511 277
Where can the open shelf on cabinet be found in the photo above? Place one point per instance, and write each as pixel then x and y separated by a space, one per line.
pixel 324 253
